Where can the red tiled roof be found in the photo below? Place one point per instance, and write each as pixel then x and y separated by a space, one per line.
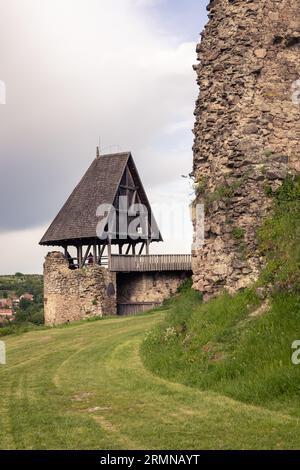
pixel 6 313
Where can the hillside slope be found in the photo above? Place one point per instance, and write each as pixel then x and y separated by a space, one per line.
pixel 85 387
pixel 241 345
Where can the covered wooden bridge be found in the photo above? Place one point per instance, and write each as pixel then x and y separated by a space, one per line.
pixel 150 263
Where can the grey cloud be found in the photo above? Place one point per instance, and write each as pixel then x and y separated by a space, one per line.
pixel 65 87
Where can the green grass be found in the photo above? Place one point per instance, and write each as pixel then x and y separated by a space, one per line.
pixel 240 345
pixel 86 387
pixel 280 239
pixel 223 346
pixel 192 376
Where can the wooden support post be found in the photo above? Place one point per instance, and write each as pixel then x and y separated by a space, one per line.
pixel 120 249
pixel 141 249
pixel 66 252
pixel 109 251
pixel 86 255
pixel 128 249
pixel 79 256
pixel 101 251
pixel 95 254
pixel 148 247
pixel 133 249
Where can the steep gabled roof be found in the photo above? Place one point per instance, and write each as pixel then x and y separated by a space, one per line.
pixel 77 219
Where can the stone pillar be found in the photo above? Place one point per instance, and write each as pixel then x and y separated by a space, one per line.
pixel 72 295
pixel 247 131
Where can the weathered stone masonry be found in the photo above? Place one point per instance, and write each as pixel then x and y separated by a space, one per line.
pixel 92 291
pixel 247 131
pixel 79 294
pixel 150 288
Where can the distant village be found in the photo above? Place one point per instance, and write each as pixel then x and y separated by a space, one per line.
pixel 9 305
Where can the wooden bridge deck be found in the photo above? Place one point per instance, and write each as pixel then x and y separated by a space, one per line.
pixel 147 263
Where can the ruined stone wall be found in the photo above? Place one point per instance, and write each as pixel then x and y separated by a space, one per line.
pixel 149 287
pixel 247 131
pixel 79 294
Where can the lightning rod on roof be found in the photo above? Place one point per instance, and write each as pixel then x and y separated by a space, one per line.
pixel 98 151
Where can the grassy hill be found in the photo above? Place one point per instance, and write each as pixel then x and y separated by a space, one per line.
pixel 241 346
pixel 190 376
pixel 85 387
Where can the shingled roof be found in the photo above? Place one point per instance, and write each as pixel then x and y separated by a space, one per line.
pixel 77 219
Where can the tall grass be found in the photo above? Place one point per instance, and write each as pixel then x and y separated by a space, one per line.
pixel 241 345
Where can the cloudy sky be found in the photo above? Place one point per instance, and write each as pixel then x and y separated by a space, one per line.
pixel 75 70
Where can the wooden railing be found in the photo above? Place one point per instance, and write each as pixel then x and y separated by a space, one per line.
pixel 143 263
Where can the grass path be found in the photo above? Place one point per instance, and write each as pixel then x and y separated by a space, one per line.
pixel 84 387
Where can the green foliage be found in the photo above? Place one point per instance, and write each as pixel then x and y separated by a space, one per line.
pixel 200 186
pixel 268 190
pixel 19 284
pixel 226 191
pixel 279 239
pixel 222 192
pixel 30 315
pixel 28 312
pixel 238 233
pixel 289 191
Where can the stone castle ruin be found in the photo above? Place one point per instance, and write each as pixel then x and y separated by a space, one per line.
pixel 247 141
pixel 247 131
pixel 108 222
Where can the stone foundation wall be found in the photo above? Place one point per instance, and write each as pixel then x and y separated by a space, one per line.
pixel 79 294
pixel 149 287
pixel 247 131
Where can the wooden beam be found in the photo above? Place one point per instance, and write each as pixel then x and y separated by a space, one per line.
pixel 130 188
pixel 86 255
pixel 95 253
pixel 79 256
pixel 128 249
pixel 141 249
pixel 101 251
pixel 109 250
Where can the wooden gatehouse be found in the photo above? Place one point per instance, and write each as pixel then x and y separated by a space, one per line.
pixel 105 229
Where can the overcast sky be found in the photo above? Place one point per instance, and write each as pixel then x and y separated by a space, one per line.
pixel 75 70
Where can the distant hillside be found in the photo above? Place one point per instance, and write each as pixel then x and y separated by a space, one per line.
pixel 20 283
pixel 21 301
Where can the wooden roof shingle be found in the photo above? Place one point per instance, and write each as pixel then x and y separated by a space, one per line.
pixel 77 220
